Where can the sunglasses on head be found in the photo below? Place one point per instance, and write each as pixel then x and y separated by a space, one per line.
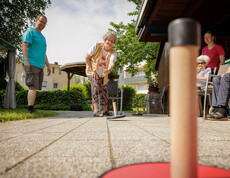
pixel 201 63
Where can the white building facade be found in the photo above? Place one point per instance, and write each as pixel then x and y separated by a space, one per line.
pixel 138 81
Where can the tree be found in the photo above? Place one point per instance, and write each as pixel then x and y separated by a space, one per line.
pixel 17 15
pixel 130 51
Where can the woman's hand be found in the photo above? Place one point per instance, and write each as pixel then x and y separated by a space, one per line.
pixel 105 72
pixel 199 68
pixel 95 75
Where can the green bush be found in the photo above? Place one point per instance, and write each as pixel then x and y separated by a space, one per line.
pixel 88 87
pixel 53 100
pixel 80 87
pixel 139 100
pixel 128 97
pixel 2 94
pixel 21 98
pixel 3 83
pixel 18 87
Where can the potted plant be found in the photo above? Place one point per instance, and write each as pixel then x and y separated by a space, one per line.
pixel 152 85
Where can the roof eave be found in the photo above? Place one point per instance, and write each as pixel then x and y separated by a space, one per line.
pixel 144 12
pixel 5 46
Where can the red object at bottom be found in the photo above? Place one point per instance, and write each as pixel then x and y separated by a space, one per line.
pixel 161 170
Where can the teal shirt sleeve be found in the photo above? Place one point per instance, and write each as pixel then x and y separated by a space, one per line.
pixel 27 37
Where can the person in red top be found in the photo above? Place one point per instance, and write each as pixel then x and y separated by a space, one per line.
pixel 214 51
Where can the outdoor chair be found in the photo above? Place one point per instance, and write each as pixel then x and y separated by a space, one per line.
pixel 208 94
pixel 201 92
pixel 209 84
pixel 114 94
pixel 155 98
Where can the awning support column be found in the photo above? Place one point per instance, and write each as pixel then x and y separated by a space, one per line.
pixel 70 76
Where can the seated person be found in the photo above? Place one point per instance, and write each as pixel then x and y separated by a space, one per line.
pixel 202 70
pixel 202 73
pixel 220 97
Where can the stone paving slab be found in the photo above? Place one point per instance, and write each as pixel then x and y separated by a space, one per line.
pixel 75 144
pixel 61 167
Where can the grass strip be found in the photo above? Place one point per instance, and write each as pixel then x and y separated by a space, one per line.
pixel 20 114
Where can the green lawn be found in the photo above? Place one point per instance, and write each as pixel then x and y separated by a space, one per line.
pixel 20 114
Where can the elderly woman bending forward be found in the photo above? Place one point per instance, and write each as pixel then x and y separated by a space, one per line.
pixel 100 60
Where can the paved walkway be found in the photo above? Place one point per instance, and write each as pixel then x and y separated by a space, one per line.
pixel 74 144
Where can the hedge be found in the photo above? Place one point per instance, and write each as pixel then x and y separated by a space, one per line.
pixel 64 99
pixel 2 94
pixel 139 100
pixel 18 87
pixel 53 100
pixel 128 97
pixel 83 88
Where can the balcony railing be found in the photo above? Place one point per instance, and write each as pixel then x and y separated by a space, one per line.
pixel 135 79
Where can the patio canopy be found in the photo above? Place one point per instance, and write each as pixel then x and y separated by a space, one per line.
pixel 78 68
pixel 9 99
pixel 73 68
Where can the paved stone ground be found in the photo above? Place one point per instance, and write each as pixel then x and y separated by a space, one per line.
pixel 74 144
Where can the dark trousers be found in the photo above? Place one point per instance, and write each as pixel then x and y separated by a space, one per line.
pixel 221 90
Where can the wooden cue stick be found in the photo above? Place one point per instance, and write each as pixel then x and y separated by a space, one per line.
pixel 184 40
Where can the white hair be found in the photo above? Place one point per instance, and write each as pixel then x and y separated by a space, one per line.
pixel 110 33
pixel 203 58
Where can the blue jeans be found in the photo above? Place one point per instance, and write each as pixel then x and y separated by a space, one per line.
pixel 221 90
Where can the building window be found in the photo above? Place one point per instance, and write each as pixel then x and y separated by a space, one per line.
pixel 59 72
pixel 120 70
pixel 44 84
pixel 141 87
pixel 53 70
pixel 141 73
pixel 55 85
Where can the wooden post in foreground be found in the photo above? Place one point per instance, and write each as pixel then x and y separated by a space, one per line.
pixel 114 108
pixel 184 39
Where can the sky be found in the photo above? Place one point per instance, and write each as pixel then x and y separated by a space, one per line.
pixel 75 25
